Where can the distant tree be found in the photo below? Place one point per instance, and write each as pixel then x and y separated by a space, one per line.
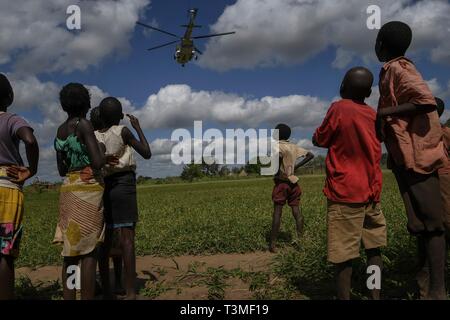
pixel 384 160
pixel 192 171
pixel 236 170
pixel 253 168
pixel 224 171
pixel 210 170
pixel 142 179
pixel 319 160
pixel 315 166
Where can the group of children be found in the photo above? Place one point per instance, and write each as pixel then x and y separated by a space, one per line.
pixel 98 207
pixel 98 201
pixel 408 123
pixel 97 204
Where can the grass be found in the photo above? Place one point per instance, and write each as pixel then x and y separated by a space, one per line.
pixel 235 217
pixel 26 290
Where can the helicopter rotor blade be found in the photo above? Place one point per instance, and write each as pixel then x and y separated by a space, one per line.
pixel 213 35
pixel 163 45
pixel 156 29
pixel 198 51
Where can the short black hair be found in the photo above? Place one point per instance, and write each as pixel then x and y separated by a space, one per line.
pixel 284 131
pixel 111 111
pixel 96 119
pixel 357 83
pixel 396 37
pixel 440 106
pixel 6 92
pixel 75 98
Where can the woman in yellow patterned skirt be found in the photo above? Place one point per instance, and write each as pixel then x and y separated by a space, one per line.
pixel 80 227
pixel 13 174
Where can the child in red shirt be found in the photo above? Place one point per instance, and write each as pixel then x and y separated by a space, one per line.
pixel 354 179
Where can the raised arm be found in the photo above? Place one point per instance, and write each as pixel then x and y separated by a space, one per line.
pixel 141 146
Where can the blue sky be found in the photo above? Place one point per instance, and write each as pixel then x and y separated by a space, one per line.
pixel 140 72
pixel 288 62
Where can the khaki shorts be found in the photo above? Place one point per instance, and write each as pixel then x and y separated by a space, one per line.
pixel 349 224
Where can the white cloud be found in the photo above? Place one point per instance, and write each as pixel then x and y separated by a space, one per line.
pixel 30 94
pixel 292 31
pixel 179 106
pixel 35 39
pixel 176 106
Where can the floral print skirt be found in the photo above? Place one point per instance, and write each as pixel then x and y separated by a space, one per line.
pixel 11 215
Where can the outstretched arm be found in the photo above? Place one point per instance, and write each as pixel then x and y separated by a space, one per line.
pixel 21 174
pixel 141 146
pixel 309 156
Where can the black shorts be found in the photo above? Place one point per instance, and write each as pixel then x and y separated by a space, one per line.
pixel 119 198
pixel 422 198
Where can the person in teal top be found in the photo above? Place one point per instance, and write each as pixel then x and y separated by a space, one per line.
pixel 76 153
pixel 80 227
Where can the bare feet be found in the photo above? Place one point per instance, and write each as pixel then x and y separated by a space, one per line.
pixel 272 248
pixel 130 297
pixel 119 291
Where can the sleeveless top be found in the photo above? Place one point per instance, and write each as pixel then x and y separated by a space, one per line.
pixel 114 144
pixel 76 152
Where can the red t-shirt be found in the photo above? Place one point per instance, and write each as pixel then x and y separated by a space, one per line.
pixel 354 153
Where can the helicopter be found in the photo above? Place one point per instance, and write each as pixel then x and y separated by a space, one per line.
pixel 186 49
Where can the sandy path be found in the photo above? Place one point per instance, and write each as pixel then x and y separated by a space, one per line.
pixel 178 277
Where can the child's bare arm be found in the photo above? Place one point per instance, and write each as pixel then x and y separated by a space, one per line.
pixel 309 156
pixel 141 146
pixel 407 109
pixel 93 147
pixel 62 168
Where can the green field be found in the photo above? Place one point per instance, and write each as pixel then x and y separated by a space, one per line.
pixel 235 216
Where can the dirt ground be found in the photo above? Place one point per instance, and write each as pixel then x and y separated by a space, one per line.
pixel 183 277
